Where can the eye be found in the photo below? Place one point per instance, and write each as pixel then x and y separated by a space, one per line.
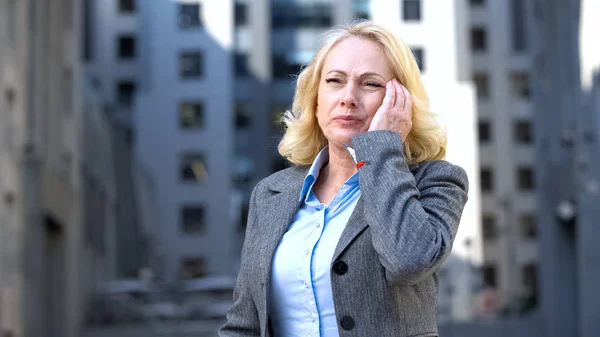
pixel 333 80
pixel 374 84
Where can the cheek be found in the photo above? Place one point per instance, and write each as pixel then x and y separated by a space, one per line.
pixel 373 104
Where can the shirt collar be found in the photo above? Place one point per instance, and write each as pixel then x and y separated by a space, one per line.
pixel 313 173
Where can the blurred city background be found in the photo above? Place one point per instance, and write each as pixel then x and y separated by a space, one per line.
pixel 133 131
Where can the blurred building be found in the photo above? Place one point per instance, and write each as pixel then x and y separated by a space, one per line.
pixel 184 132
pixel 566 105
pixel 205 86
pixel 110 52
pixel 438 36
pixel 59 209
pixel 501 51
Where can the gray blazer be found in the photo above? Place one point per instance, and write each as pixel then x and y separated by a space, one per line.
pixel 383 272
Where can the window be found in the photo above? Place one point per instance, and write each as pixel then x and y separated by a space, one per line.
pixel 530 278
pixel 68 91
pixel 192 219
pixel 484 131
pixel 127 6
pixel 189 15
pixel 7 127
pixel 243 169
pixel 477 2
pixel 478 39
pixel 88 30
pixel 419 56
pixel 362 9
pixel 519 31
pixel 126 47
pixel 487 180
pixel 192 267
pixel 523 132
pixel 482 85
pixel 489 275
pixel 528 226
pixel 488 223
pixel 282 68
pixel 241 18
pixel 191 115
pixel 126 93
pixel 10 16
pixel 411 10
pixel 525 178
pixel 241 65
pixel 193 167
pixel 243 115
pixel 190 64
pixel 360 15
pixel 68 14
pixel 520 86
pixel 301 15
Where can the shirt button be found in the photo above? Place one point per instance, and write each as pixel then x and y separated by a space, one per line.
pixel 306 251
pixel 318 224
pixel 306 285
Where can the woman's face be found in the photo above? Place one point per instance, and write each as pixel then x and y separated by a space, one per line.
pixel 351 89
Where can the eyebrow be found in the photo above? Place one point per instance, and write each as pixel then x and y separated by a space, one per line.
pixel 367 74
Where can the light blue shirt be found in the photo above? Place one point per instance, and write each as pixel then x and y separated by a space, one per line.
pixel 301 301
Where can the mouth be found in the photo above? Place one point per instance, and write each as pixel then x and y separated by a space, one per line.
pixel 347 119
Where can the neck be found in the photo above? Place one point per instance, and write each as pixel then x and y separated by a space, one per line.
pixel 341 165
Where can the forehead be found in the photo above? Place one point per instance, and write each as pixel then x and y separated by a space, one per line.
pixel 357 55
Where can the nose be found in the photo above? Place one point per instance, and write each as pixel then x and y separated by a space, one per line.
pixel 349 99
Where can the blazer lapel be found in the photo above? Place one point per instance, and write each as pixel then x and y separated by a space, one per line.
pixel 356 224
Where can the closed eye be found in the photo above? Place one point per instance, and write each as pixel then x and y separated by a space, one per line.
pixel 374 84
pixel 333 80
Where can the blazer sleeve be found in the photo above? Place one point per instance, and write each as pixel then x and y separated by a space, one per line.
pixel 413 225
pixel 242 316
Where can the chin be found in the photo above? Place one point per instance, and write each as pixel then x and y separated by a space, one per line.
pixel 340 137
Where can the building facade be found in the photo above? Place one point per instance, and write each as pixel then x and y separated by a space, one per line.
pixel 59 193
pixel 501 50
pixel 212 82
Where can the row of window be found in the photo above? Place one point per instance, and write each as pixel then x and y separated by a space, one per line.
pixel 519 81
pixel 522 132
pixel 518 20
pixel 492 230
pixel 525 179
pixel 189 13
pixel 529 277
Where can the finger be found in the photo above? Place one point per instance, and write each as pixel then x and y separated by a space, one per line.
pixel 390 96
pixel 408 99
pixel 399 104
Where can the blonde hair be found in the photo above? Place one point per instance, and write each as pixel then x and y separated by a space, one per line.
pixel 303 138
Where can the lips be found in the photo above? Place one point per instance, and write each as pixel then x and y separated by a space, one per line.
pixel 347 119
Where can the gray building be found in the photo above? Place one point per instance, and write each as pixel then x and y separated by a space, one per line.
pixel 566 150
pixel 501 53
pixel 56 182
pixel 213 77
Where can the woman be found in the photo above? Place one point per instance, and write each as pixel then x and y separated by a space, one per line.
pixel 343 246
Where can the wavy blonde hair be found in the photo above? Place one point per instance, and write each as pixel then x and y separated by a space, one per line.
pixel 303 138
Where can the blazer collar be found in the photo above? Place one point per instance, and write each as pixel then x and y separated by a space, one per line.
pixel 288 180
